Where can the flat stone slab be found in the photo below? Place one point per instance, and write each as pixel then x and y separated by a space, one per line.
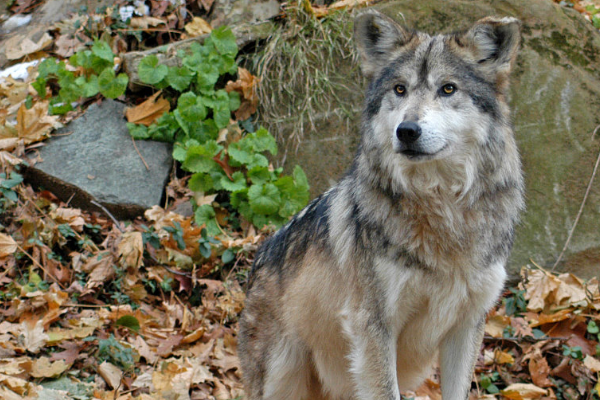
pixel 95 159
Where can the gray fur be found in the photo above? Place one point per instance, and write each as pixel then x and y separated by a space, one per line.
pixel 401 260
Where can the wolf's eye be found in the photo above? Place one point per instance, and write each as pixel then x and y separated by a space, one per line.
pixel 448 89
pixel 400 90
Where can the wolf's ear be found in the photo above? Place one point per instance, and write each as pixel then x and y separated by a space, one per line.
pixel 493 43
pixel 378 39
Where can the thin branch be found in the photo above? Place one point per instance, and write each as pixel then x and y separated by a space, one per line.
pixel 116 222
pixel 587 192
pixel 140 154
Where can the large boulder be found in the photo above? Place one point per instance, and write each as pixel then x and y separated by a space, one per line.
pixel 94 159
pixel 555 97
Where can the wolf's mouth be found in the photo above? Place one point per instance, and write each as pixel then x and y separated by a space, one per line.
pixel 413 153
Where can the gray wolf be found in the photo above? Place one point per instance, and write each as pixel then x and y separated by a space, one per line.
pixel 398 264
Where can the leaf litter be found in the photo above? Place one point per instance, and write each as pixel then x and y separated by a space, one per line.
pixel 148 310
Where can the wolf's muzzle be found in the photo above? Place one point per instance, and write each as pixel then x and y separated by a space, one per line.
pixel 408 132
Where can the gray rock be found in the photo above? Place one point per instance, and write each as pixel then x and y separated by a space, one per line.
pixel 555 96
pixel 96 160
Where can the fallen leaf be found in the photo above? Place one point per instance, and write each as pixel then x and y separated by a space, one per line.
pixel 197 27
pixel 539 286
pixel 111 374
pixel 8 245
pixel 539 369
pixel 33 335
pixel 495 325
pixel 35 124
pixel 131 250
pixel 8 143
pixel 591 363
pixel 523 391
pixel 148 111
pixel 67 45
pixel 18 46
pixel 43 368
pixel 246 85
pixel 71 216
pixel 145 21
pixel 502 357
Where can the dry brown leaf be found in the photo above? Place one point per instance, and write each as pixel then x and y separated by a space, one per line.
pixel 43 368
pixel 495 325
pixel 592 363
pixel 7 158
pixel 67 45
pixel 539 369
pixel 131 250
pixel 100 268
pixel 145 21
pixel 246 85
pixel 523 391
pixel 571 290
pixel 8 245
pixel 539 286
pixel 149 111
pixel 33 336
pixel 111 374
pixel 9 144
pixel 35 124
pixel 57 335
pixel 197 27
pixel 71 216
pixel 19 46
pixel 502 357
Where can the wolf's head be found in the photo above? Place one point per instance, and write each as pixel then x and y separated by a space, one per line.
pixel 435 97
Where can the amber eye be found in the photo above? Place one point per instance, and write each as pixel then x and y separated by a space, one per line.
pixel 400 90
pixel 448 89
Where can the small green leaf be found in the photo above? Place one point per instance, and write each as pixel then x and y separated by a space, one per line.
pixel 207 76
pixel 89 86
pixel 239 182
pixel 179 78
pixel 205 214
pixel 200 182
pixel 111 86
pixel 150 71
pixel 593 327
pixel 227 256
pixel 234 100
pixel 224 41
pixel 239 152
pixel 139 132
pixel 102 49
pixel 129 321
pixel 191 107
pixel 200 158
pixel 264 199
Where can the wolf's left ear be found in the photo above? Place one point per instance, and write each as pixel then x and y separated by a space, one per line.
pixel 493 43
pixel 379 39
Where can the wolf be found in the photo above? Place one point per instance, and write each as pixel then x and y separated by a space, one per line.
pixel 395 267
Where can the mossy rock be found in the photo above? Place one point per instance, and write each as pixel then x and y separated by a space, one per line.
pixel 555 97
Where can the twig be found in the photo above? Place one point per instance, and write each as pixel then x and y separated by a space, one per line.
pixel 523 339
pixel 140 154
pixel 55 279
pixel 587 192
pixel 116 222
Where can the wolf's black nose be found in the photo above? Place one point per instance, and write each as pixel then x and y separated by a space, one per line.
pixel 408 132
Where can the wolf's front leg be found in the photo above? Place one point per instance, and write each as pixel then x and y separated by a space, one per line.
pixel 373 360
pixel 458 355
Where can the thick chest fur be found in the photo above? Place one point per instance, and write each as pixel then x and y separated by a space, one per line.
pixel 423 306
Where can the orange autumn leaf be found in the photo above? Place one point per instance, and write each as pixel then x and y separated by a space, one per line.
pixel 149 111
pixel 246 86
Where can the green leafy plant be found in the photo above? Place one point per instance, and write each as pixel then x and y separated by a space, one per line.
pixel 236 167
pixel 97 75
pixel 487 383
pixel 8 183
pixel 515 304
pixel 113 351
pixel 573 352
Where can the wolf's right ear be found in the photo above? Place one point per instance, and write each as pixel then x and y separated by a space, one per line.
pixel 378 38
